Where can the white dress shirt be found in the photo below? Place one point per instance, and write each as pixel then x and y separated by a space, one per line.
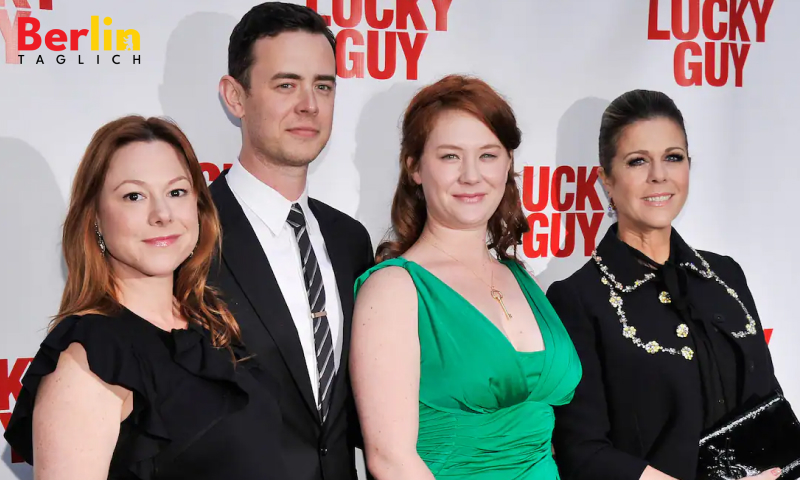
pixel 267 211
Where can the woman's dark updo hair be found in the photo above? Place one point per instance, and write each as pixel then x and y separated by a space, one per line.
pixel 629 108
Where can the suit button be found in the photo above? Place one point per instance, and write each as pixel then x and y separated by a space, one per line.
pixel 719 317
pixel 752 366
pixel 323 451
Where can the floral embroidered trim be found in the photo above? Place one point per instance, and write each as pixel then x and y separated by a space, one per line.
pixel 654 347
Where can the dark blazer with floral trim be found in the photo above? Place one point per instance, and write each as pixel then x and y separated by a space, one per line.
pixel 634 408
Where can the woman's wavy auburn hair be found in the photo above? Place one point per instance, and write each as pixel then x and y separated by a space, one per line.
pixel 409 212
pixel 91 284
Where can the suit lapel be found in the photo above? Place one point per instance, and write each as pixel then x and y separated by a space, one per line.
pixel 244 256
pixel 339 252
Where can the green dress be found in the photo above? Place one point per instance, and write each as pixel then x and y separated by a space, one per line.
pixel 486 409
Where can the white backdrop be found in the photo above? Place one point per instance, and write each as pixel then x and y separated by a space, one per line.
pixel 730 65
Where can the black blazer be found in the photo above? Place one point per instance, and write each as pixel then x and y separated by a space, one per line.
pixel 311 450
pixel 633 408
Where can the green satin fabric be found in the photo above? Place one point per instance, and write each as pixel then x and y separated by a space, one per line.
pixel 486 409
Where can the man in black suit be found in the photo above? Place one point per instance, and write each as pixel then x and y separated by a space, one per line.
pixel 289 262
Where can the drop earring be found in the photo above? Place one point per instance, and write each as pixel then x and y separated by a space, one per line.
pixel 612 208
pixel 100 242
pixel 196 244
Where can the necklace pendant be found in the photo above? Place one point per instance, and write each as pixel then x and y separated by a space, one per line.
pixel 497 295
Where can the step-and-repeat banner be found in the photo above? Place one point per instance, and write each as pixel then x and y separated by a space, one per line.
pixel 730 65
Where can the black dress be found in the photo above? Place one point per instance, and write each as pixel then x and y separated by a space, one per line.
pixel 194 415
pixel 641 403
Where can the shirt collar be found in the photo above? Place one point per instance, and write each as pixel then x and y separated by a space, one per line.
pixel 269 205
pixel 623 263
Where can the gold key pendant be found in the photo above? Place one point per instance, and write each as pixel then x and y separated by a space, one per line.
pixel 499 297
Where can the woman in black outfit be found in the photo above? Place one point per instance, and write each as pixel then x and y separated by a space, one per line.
pixel 668 336
pixel 142 375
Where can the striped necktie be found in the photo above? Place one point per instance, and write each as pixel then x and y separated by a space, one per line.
pixel 323 340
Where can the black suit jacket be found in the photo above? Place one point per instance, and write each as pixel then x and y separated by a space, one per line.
pixel 632 408
pixel 311 450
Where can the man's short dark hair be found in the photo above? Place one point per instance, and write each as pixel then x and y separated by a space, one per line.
pixel 269 20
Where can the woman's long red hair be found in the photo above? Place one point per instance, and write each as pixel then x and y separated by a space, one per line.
pixel 91 285
pixel 409 212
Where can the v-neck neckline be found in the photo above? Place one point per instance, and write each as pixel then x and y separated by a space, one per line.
pixel 486 319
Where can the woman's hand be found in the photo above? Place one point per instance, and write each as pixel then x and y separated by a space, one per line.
pixel 651 473
pixel 768 475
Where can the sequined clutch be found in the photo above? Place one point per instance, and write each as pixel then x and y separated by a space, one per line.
pixel 761 438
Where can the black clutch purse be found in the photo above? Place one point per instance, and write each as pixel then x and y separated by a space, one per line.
pixel 761 438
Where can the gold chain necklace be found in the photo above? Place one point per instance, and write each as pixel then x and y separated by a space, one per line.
pixel 496 294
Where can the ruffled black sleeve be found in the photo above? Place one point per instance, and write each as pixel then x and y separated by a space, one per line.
pixel 113 359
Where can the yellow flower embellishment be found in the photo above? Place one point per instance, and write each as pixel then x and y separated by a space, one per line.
pixel 687 353
pixel 682 330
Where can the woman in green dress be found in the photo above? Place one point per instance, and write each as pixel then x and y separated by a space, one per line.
pixel 457 356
